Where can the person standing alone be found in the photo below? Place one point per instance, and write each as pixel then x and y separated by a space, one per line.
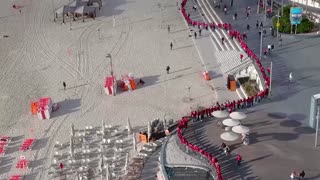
pixel 239 158
pixel 168 69
pixel 64 85
pixel 171 45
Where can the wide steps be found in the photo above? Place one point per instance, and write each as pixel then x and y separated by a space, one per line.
pixel 230 61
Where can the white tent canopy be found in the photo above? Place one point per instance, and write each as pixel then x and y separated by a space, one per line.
pixel 240 129
pixel 230 122
pixel 238 115
pixel 229 136
pixel 220 114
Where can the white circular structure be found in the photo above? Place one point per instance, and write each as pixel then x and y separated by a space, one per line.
pixel 229 136
pixel 238 115
pixel 220 114
pixel 240 129
pixel 231 122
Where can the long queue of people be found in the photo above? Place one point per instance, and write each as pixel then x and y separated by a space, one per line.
pixel 183 123
pixel 229 105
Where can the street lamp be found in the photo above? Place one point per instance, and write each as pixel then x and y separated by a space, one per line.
pixel 270 79
pixel 261 33
pixel 189 92
pixel 278 23
pixel 109 56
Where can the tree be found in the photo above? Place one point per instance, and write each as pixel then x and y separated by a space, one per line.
pixel 285 24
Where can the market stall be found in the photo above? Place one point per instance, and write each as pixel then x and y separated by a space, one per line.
pixel 128 83
pixel 43 108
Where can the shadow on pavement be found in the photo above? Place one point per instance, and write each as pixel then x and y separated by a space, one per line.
pixel 67 106
pixel 196 134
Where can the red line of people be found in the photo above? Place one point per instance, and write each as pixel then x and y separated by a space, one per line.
pixel 230 106
pixel 213 161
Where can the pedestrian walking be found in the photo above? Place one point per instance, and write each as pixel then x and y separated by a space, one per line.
pixel 265 52
pixel 239 158
pixel 225 10
pixel 247 14
pixel 194 7
pixel 168 28
pixel 171 45
pixel 227 150
pixel 261 24
pixel 269 48
pixel 200 32
pixel 244 36
pixel 235 16
pixel 61 166
pixel 241 57
pixel 222 146
pixel 195 35
pixel 222 40
pixel 168 69
pixel 64 85
pixel 257 24
pixel 248 27
pixel 290 77
pixel 301 175
pixel 231 3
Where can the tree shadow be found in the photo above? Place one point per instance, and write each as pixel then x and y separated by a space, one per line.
pixel 277 115
pixel 262 123
pixel 256 137
pixel 290 123
pixel 297 116
pixel 40 143
pixel 67 106
pixel 304 130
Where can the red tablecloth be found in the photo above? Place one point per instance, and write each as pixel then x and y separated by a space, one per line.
pixel 22 164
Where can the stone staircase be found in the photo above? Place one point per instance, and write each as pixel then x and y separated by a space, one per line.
pixel 226 54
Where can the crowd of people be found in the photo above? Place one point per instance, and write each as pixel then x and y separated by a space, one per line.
pixel 229 105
